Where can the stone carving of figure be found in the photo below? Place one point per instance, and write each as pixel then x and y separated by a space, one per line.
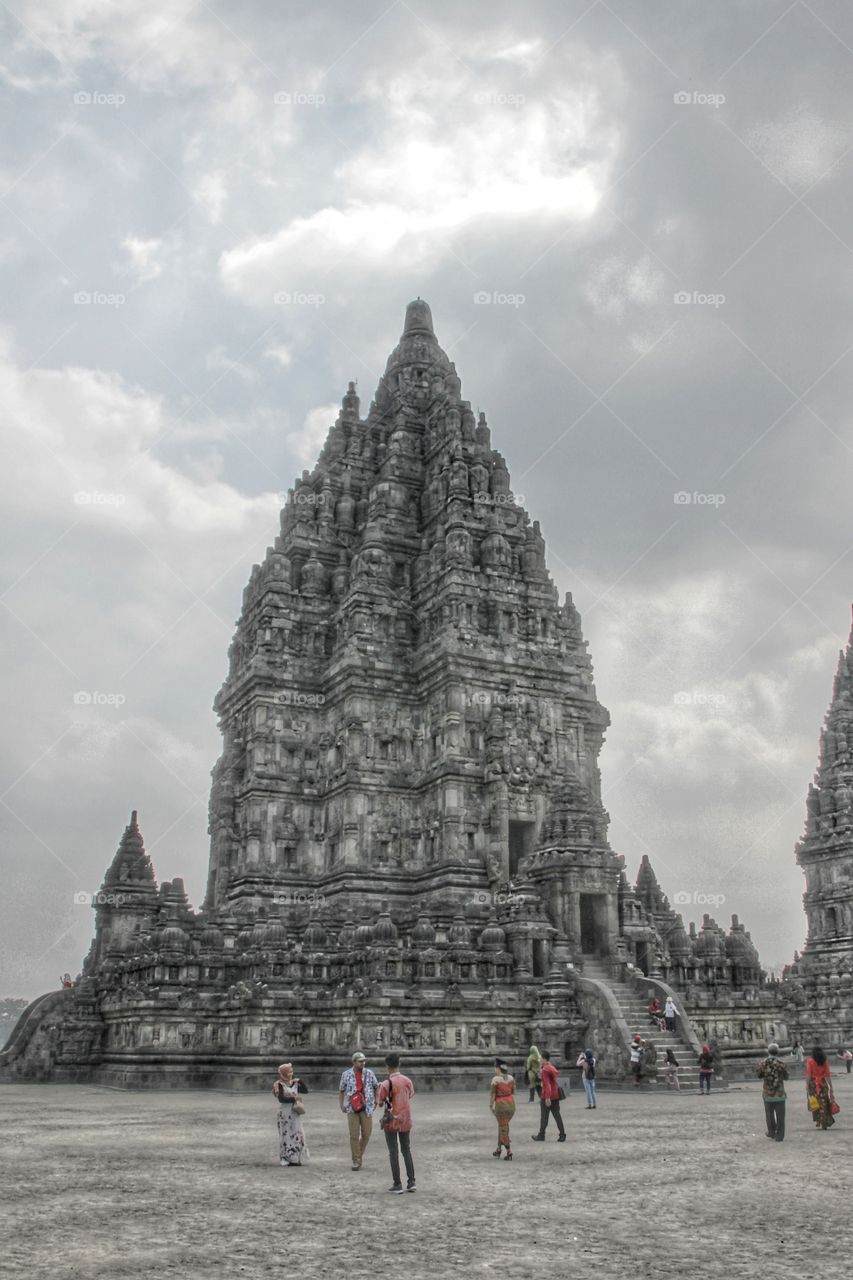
pixel 313 581
pixel 459 546
pixel 494 549
pixel 346 508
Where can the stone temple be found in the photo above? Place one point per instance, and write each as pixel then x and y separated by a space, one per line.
pixel 820 981
pixel 408 844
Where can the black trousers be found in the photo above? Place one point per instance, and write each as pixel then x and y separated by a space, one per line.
pixel 391 1137
pixel 545 1114
pixel 775 1115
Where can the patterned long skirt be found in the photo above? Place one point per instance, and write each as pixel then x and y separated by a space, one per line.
pixel 504 1111
pixel 291 1136
pixel 823 1117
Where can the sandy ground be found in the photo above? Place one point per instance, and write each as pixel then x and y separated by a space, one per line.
pixel 100 1183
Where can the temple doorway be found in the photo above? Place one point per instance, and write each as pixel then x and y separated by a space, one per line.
pixel 593 909
pixel 521 835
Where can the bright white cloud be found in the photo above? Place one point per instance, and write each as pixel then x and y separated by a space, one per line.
pixel 306 443
pixel 144 257
pixel 452 155
pixel 84 446
pixel 800 147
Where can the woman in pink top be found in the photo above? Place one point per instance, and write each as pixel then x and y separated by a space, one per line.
pixel 394 1096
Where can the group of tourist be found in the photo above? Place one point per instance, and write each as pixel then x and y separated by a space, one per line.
pixel 663 1017
pixel 360 1095
pixel 638 1055
pixel 820 1095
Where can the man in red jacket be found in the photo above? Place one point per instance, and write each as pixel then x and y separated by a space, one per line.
pixel 549 1102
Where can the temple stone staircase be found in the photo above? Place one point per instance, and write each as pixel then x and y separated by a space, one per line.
pixel 633 1007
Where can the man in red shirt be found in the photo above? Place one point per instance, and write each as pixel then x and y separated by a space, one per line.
pixel 549 1102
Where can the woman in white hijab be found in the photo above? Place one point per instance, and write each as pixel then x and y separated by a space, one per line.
pixel 291 1135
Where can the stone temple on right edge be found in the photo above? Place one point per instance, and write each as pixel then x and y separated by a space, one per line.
pixel 820 981
pixel 408 844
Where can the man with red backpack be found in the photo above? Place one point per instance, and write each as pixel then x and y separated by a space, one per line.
pixel 357 1099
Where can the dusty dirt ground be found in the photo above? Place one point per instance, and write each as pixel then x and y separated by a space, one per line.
pixel 100 1183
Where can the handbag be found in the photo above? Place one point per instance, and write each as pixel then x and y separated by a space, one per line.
pixel 833 1105
pixel 561 1094
pixel 298 1109
pixel 814 1105
pixel 387 1115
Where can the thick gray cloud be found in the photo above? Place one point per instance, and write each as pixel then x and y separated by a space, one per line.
pixel 190 167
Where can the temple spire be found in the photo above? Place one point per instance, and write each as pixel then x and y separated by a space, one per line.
pixel 418 319
pixel 131 862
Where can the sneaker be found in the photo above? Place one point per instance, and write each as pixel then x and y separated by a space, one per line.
pixel 562 1138
pixel 410 1186
pixel 397 1189
pixel 537 1137
pixel 356 1164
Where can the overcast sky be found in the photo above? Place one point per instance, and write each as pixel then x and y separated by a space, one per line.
pixel 175 168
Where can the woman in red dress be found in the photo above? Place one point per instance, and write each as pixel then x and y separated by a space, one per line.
pixel 819 1089
pixel 502 1104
